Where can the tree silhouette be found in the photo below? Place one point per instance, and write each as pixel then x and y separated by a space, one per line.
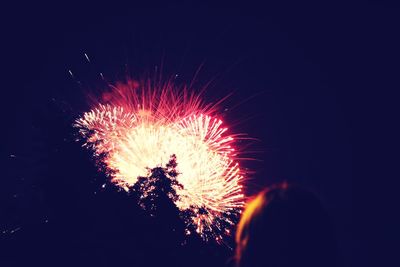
pixel 157 190
pixel 156 194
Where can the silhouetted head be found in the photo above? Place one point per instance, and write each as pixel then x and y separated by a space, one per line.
pixel 285 226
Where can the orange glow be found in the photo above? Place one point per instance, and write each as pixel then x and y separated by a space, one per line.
pixel 242 232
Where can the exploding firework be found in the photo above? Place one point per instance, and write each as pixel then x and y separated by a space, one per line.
pixel 139 126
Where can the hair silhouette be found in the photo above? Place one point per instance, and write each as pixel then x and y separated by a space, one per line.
pixel 285 226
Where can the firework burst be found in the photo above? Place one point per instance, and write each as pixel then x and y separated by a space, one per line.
pixel 139 126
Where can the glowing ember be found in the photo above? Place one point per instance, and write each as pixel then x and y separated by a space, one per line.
pixel 140 126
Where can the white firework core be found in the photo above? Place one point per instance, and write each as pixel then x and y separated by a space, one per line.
pixel 139 129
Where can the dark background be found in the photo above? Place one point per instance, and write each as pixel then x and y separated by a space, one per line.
pixel 297 74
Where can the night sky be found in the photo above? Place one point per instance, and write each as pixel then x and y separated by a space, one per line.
pixel 289 69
